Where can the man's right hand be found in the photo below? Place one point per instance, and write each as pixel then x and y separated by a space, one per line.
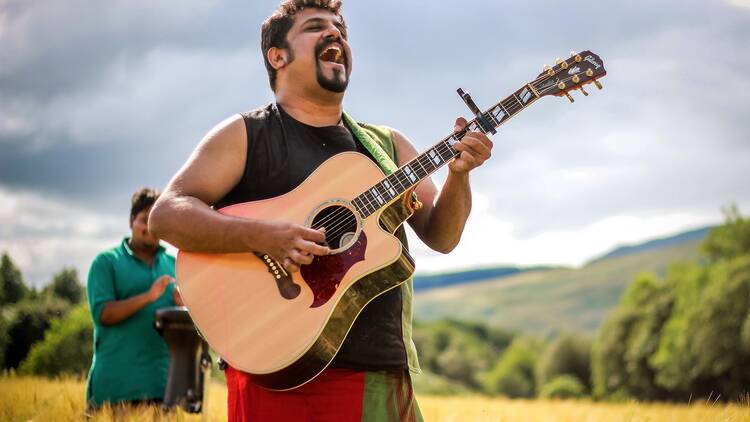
pixel 293 245
pixel 157 289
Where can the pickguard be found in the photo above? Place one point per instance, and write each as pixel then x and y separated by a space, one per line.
pixel 325 273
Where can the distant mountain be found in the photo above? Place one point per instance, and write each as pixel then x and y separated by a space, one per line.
pixel 697 234
pixel 560 299
pixel 432 281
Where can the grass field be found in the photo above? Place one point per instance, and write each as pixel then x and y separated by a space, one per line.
pixel 39 399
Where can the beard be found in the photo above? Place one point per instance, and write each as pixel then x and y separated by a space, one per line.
pixel 336 82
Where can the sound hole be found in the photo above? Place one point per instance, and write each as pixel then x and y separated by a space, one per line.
pixel 340 224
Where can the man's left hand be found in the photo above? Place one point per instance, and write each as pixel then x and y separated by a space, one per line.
pixel 475 149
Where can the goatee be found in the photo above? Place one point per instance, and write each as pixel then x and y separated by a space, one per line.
pixel 337 83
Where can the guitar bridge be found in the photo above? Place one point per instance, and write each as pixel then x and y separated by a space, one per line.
pixel 287 287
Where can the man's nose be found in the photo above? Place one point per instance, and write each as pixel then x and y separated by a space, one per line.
pixel 332 33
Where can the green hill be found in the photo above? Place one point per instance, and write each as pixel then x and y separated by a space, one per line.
pixel 433 281
pixel 550 301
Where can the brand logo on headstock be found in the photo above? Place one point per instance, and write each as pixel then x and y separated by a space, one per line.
pixel 591 60
pixel 574 70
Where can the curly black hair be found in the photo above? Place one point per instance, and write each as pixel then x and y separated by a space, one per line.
pixel 276 27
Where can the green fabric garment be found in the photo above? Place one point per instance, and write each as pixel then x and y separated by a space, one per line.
pixel 379 142
pixel 130 360
pixel 389 397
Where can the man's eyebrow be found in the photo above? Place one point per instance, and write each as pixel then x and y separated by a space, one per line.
pixel 314 21
pixel 337 23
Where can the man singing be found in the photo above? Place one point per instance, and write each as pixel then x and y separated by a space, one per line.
pixel 269 151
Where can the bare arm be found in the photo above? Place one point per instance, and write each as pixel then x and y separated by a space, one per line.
pixel 117 311
pixel 183 217
pixel 441 220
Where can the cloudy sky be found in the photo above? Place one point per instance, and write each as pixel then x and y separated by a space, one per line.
pixel 100 98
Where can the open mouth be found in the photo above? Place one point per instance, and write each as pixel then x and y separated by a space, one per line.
pixel 332 54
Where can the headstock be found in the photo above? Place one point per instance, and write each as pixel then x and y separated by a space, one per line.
pixel 580 69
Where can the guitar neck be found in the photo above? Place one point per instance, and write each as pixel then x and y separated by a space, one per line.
pixel 411 173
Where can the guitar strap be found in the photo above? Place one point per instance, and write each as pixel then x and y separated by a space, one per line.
pixel 381 157
pixel 369 136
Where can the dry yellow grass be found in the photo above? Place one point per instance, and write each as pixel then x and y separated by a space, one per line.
pixel 40 399
pixel 448 409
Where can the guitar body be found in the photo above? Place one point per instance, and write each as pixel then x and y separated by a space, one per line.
pixel 281 328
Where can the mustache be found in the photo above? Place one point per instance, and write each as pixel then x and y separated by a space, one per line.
pixel 325 44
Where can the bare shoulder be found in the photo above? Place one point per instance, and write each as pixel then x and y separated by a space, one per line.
pixel 229 133
pixel 217 163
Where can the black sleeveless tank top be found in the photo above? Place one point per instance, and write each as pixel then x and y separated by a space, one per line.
pixel 281 153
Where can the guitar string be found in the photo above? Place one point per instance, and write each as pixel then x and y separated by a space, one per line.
pixel 514 107
pixel 506 107
pixel 343 217
pixel 401 178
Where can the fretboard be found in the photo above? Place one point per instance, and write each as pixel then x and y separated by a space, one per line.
pixel 411 173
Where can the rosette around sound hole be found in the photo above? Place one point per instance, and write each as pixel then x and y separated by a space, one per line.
pixel 340 225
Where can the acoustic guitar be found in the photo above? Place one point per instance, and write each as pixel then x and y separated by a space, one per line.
pixel 285 328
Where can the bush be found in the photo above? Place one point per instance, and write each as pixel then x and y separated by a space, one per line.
pixel 429 383
pixel 27 324
pixel 731 240
pixel 569 354
pixel 513 375
pixel 4 339
pixel 563 387
pixel 66 348
pixel 457 350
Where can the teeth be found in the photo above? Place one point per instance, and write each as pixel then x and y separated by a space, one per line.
pixel 336 53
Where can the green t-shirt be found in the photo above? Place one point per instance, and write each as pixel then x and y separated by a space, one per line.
pixel 131 360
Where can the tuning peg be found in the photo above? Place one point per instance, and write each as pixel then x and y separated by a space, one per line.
pixel 589 72
pixel 598 85
pixel 569 97
pixel 576 79
pixel 548 69
pixel 561 85
pixel 572 53
pixel 563 64
pixel 583 91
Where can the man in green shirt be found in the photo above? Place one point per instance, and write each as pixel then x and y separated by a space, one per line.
pixel 126 285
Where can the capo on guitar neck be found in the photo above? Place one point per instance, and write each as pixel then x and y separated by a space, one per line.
pixel 484 123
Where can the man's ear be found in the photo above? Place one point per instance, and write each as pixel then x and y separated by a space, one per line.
pixel 277 57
